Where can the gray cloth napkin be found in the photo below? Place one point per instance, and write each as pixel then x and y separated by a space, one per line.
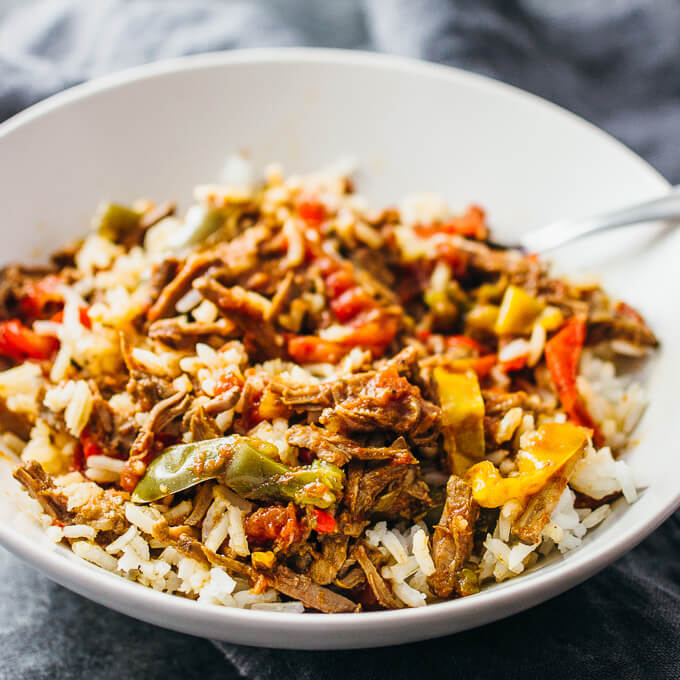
pixel 615 63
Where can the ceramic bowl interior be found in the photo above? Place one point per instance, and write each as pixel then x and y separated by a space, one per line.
pixel 159 130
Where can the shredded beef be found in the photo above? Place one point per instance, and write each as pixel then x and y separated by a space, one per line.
pixel 339 450
pixel 156 214
pixel 386 402
pixel 181 284
pixel 40 485
pixel 529 526
pixel 312 595
pixel 325 568
pixel 380 589
pixel 182 334
pixel 452 541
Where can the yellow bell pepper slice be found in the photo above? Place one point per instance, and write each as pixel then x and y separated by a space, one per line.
pixel 551 318
pixel 482 317
pixel 462 417
pixel 518 312
pixel 551 447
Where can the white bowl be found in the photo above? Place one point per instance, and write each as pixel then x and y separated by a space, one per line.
pixel 158 130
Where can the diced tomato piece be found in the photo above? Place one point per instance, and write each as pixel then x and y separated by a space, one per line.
pixel 225 381
pixel 273 523
pixel 309 349
pixel 128 477
pixel 325 522
pixel 350 303
pixel 471 224
pixel 84 316
pixel 313 212
pixel 251 415
pixel 338 282
pixel 20 343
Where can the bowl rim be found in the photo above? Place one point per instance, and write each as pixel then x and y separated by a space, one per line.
pixel 492 604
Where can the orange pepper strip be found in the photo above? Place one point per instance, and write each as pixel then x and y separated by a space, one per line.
pixel 552 446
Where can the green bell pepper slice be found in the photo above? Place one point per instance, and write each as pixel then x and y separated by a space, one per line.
pixel 113 221
pixel 244 464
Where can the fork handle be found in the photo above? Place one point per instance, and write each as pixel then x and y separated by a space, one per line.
pixel 546 238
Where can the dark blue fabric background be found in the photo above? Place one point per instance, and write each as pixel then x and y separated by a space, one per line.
pixel 616 63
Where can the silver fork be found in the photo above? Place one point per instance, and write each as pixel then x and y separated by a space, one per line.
pixel 563 231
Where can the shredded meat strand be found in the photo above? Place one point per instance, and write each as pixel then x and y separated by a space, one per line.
pixel 312 595
pixel 452 541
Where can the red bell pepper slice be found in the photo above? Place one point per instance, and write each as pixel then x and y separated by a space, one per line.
pixel 308 349
pixel 89 444
pixel 312 212
pixel 562 355
pixel 350 303
pixel 338 282
pixel 20 342
pixel 471 224
pixel 325 522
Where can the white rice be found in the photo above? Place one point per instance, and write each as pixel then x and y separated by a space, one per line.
pixel 514 350
pixel 188 301
pixel 616 403
pixel 142 516
pixel 79 531
pixel 122 541
pixel 509 423
pixel 206 312
pixel 536 344
pixel 100 462
pixel 94 554
pixel 224 520
pixel 505 556
pixel 421 552
pixel 237 534
pixel 409 560
pixel 218 589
